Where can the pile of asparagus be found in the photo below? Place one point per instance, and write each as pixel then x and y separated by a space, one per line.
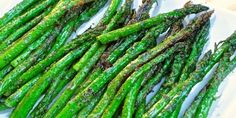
pixel 109 70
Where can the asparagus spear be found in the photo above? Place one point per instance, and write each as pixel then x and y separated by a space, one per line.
pixel 54 89
pixel 26 53
pixel 3 107
pixel 16 11
pixel 20 21
pixel 77 21
pixel 51 19
pixel 130 99
pixel 193 107
pixel 195 77
pixel 55 56
pixel 36 91
pixel 140 15
pixel 198 45
pixel 20 32
pixel 110 110
pixel 114 85
pixel 122 32
pixel 5 71
pixel 95 86
pixel 83 61
pixel 86 110
pixel 224 68
pixel 16 97
pixel 70 90
pixel 34 58
pixel 148 87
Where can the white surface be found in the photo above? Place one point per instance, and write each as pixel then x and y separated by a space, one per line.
pixel 223 24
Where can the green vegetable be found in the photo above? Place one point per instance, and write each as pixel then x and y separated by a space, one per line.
pixel 34 58
pixel 21 20
pixel 16 11
pixel 54 89
pixel 17 96
pixel 20 32
pixel 5 71
pixel 128 30
pixel 224 68
pixel 177 94
pixel 37 90
pixel 104 78
pixel 47 23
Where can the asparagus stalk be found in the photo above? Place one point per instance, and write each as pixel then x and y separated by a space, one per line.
pixel 5 71
pixel 86 110
pixel 20 32
pixel 51 19
pixel 3 107
pixel 20 21
pixel 201 39
pixel 115 84
pixel 54 89
pixel 16 11
pixel 123 32
pixel 77 21
pixel 148 87
pixel 197 48
pixel 135 77
pixel 70 90
pixel 16 97
pixel 83 61
pixel 37 90
pixel 131 98
pixel 224 68
pixel 36 56
pixel 163 93
pixel 140 15
pixel 104 78
pixel 177 94
pixel 193 107
pixel 26 53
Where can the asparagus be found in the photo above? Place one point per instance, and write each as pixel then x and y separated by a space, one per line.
pixel 77 21
pixel 70 90
pixel 20 32
pixel 34 58
pixel 36 91
pixel 5 71
pixel 201 39
pixel 54 89
pixel 224 68
pixel 135 77
pixel 130 99
pixel 95 86
pixel 51 19
pixel 55 56
pixel 114 84
pixel 26 53
pixel 19 21
pixel 83 61
pixel 86 110
pixel 197 48
pixel 125 31
pixel 193 107
pixel 149 86
pixel 163 93
pixel 140 15
pixel 177 94
pixel 3 107
pixel 16 11
pixel 16 97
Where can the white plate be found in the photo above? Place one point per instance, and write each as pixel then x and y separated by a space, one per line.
pixel 223 24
